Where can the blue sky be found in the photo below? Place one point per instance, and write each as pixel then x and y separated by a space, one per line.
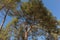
pixel 53 6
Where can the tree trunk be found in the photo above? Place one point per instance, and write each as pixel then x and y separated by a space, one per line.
pixel 26 33
pixel 23 37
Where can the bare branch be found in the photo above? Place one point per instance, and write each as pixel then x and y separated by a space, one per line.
pixel 4 19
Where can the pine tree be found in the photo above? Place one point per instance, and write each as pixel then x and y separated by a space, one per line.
pixel 8 6
pixel 34 14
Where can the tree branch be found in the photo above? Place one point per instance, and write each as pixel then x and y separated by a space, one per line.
pixel 4 19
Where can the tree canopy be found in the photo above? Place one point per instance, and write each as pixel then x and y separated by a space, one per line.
pixel 28 18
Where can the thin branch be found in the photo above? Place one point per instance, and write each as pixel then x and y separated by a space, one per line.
pixel 4 19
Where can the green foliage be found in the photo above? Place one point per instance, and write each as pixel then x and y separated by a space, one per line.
pixel 35 14
pixel 38 13
pixel 5 34
pixel 58 22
